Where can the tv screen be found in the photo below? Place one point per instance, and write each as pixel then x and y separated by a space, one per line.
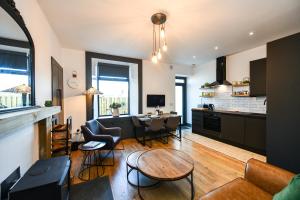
pixel 155 100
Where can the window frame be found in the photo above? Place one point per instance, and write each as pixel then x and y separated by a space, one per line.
pixel 88 78
pixel 99 78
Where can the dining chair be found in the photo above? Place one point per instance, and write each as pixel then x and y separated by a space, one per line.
pixel 139 130
pixel 154 130
pixel 171 126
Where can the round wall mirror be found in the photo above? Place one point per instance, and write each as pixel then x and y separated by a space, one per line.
pixel 16 61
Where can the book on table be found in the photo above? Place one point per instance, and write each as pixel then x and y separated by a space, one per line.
pixel 91 144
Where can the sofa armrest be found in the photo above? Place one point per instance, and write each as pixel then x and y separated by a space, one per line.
pixel 268 177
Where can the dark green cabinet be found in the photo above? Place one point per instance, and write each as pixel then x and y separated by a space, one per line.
pixel 255 133
pixel 232 127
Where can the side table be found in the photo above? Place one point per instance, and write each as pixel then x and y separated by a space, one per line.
pixel 91 158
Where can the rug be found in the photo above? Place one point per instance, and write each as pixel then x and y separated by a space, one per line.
pixel 229 150
pixel 97 189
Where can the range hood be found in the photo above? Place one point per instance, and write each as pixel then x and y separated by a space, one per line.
pixel 221 72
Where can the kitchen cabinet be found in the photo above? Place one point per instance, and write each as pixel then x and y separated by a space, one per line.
pixel 197 121
pixel 245 130
pixel 283 103
pixel 258 78
pixel 232 127
pixel 255 133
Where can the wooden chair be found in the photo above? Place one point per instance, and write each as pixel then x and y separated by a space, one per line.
pixel 61 135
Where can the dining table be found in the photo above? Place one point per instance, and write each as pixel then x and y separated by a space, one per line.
pixel 146 121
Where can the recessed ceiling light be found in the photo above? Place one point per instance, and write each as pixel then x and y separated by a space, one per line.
pixel 194 57
pixel 216 47
pixel 251 33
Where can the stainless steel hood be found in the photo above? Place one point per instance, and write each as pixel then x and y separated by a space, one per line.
pixel 221 72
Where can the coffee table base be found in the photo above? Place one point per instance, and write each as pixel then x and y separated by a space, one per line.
pixel 132 175
pixel 190 180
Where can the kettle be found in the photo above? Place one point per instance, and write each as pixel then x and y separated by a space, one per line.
pixel 211 106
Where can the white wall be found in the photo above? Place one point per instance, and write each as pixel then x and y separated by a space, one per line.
pixel 201 74
pixel 46 45
pixel 21 148
pixel 237 67
pixel 160 79
pixel 74 100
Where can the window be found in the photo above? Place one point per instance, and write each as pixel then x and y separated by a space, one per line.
pixel 113 81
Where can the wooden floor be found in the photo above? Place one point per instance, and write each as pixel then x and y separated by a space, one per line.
pixel 211 169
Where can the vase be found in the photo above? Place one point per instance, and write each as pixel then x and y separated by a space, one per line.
pixel 115 112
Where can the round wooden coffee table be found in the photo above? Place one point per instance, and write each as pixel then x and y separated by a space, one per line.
pixel 131 168
pixel 166 165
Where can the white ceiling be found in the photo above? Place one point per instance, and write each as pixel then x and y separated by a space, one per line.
pixel 193 28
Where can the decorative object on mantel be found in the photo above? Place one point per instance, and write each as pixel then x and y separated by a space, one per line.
pixel 115 108
pixel 73 82
pixel 48 103
pixel 158 20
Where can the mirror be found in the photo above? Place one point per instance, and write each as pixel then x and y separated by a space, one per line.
pixel 16 66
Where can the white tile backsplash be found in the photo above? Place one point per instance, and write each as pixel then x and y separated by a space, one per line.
pixel 224 101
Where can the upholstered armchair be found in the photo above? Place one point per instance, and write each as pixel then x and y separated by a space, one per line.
pixel 94 131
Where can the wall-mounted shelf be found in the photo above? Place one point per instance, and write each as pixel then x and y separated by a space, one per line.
pixel 240 89
pixel 241 85
pixel 207 96
pixel 207 88
pixel 240 95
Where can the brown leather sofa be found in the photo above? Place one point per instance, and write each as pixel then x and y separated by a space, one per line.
pixel 261 182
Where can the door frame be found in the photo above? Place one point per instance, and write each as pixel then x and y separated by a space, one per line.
pixel 55 63
pixel 184 98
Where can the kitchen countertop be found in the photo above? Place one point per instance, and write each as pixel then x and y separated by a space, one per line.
pixel 250 114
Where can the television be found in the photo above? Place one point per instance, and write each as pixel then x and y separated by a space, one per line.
pixel 154 100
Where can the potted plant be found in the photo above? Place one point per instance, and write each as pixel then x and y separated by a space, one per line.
pixel 115 108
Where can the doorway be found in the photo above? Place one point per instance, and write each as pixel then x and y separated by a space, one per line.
pixel 180 97
pixel 57 89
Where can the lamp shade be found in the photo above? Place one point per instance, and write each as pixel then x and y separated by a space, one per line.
pixel 93 91
pixel 24 89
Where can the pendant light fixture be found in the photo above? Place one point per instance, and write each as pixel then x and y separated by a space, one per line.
pixel 159 35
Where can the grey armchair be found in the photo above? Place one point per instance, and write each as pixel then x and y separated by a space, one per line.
pixel 94 131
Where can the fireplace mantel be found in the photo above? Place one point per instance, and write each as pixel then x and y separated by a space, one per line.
pixel 10 122
pixel 14 121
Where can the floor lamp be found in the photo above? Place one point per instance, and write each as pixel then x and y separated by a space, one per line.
pixel 91 92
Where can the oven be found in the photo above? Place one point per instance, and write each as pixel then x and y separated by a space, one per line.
pixel 212 121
